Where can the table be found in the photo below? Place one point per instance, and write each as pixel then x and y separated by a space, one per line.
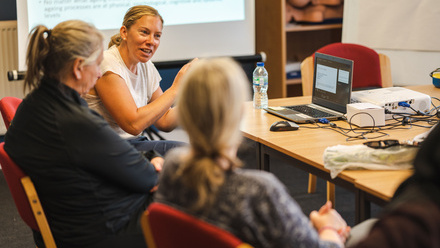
pixel 304 148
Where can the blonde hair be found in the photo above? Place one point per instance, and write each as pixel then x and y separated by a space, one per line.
pixel 210 109
pixel 50 52
pixel 131 16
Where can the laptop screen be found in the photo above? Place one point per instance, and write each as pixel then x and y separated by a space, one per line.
pixel 332 81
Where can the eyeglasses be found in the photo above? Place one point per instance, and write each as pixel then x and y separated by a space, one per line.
pixel 381 144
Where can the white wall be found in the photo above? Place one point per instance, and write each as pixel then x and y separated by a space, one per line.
pixel 408 31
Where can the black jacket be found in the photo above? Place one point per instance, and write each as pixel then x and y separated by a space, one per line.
pixel 90 181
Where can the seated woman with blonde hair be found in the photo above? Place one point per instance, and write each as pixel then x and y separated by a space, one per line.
pixel 205 179
pixel 128 95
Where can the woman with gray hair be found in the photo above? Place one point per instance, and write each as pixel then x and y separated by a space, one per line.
pixel 93 185
pixel 205 179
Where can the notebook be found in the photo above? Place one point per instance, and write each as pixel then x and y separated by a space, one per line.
pixel 332 81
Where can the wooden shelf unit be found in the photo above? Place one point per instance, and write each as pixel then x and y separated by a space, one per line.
pixel 291 27
pixel 293 81
pixel 287 42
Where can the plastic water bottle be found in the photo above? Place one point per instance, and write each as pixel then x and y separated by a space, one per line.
pixel 260 85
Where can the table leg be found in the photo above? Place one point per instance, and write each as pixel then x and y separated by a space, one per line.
pixel 265 161
pixel 258 155
pixel 264 157
pixel 331 193
pixel 312 184
pixel 363 207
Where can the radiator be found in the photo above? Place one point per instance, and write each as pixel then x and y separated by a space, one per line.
pixel 8 61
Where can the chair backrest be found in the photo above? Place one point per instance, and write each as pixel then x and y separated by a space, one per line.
pixel 8 107
pixel 166 227
pixel 371 69
pixel 25 197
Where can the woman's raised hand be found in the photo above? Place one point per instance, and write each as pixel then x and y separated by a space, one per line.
pixel 182 72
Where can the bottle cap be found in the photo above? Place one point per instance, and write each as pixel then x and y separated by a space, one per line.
pixel 260 63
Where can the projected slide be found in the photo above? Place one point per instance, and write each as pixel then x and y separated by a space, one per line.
pixel 326 78
pixel 193 28
pixel 108 14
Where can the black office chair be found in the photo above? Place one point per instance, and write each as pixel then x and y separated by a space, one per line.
pixel 152 133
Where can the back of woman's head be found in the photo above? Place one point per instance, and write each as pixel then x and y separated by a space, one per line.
pixel 210 104
pixel 51 52
pixel 210 108
pixel 131 16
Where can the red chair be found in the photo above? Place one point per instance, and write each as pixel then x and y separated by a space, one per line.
pixel 25 198
pixel 8 107
pixel 371 69
pixel 167 227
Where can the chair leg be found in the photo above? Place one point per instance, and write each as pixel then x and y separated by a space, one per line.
pixel 157 134
pixel 150 131
pixel 312 184
pixel 331 193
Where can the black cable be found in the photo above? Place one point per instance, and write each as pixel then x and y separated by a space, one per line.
pixel 346 131
pixel 402 120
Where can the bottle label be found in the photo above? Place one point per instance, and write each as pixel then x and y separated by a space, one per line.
pixel 263 82
pixel 260 81
pixel 255 81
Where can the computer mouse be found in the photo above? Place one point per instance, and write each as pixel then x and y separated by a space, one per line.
pixel 283 126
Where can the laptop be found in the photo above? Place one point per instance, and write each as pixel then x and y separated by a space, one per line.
pixel 332 81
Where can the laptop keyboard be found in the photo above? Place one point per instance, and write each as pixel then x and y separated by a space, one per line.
pixel 315 113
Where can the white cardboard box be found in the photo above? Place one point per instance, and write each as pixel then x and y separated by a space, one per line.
pixel 365 114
